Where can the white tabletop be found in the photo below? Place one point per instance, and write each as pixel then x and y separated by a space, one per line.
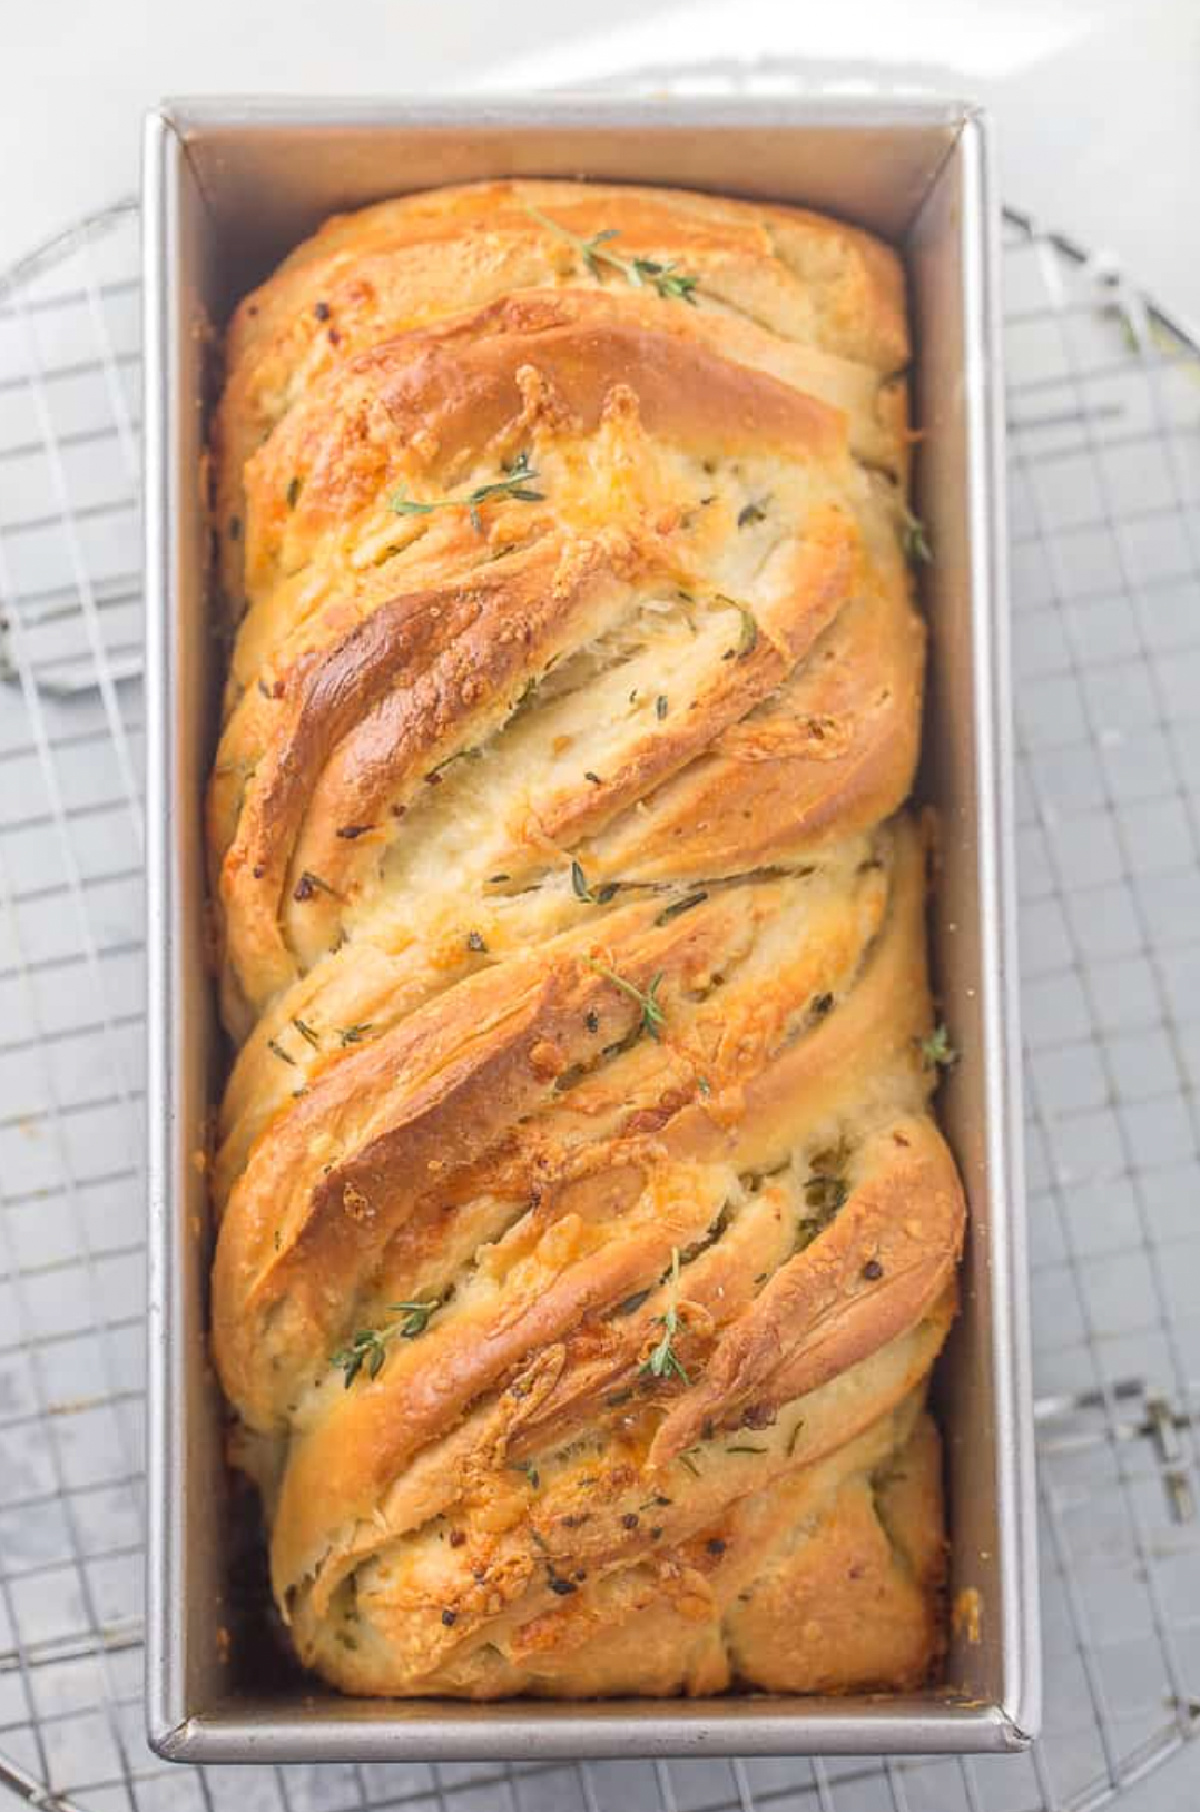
pixel 1098 100
pixel 1099 107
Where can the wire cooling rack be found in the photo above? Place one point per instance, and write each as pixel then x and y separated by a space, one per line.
pixel 1104 418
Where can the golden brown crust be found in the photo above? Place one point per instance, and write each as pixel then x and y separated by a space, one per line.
pixel 585 1239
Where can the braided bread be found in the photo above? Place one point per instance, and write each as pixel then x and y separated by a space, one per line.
pixel 585 1238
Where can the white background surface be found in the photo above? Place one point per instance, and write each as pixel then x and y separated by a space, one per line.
pixel 1099 107
pixel 1098 100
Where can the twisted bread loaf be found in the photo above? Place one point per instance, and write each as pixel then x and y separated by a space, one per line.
pixel 585 1238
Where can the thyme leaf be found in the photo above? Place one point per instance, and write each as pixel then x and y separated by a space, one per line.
pixel 913 539
pixel 747 629
pixel 599 896
pixel 826 1190
pixel 678 907
pixel 355 1034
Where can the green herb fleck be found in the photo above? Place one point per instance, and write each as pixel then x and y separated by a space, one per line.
pixel 744 1447
pixel 678 907
pixel 825 1193
pixel 797 1431
pixel 661 707
pixel 306 1032
pixel 295 486
pixel 284 1056
pixel 937 1050
pixel 914 539
pixel 753 512
pixel 599 896
pixel 653 1017
pixel 475 941
pixel 517 484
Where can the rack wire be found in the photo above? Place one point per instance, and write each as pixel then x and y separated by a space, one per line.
pixel 1104 419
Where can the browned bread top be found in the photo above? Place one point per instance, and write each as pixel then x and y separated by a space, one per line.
pixel 576 957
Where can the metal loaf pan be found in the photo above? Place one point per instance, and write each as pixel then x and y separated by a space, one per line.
pixel 230 186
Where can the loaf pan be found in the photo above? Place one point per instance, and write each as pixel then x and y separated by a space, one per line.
pixel 230 186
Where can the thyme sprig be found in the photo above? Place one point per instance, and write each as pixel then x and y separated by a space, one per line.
pixel 355 1034
pixel 517 484
pixel 663 1359
pixel 641 273
pixel 367 1349
pixel 653 1017
pixel 583 890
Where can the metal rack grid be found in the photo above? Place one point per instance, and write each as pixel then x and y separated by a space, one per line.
pixel 1104 416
